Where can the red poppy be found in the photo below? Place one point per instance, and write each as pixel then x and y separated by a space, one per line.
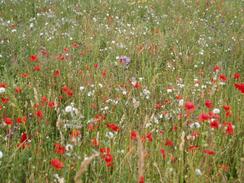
pixel 95 142
pixel 224 167
pixel 24 75
pixel 51 104
pixel 8 121
pixel 163 153
pixel 195 134
pixel 21 120
pixel 133 135
pixel 208 104
pixel 18 90
pixel 108 158
pixel 75 133
pixel 227 107
pixel 96 66
pixel 44 99
pixel 141 179
pixel 105 150
pixel 174 128
pixel 59 149
pixel 137 85
pixel 39 114
pixel 66 49
pixel 237 76
pixel 3 85
pixel 222 77
pixel 75 45
pixel 5 100
pixel 61 57
pixel 44 53
pixel 209 152
pixel 158 106
pixel 56 73
pixel 216 68
pixel 57 164
pixel 192 148
pixel 91 126
pixel 33 58
pixel 240 87
pixel 23 138
pixel 99 117
pixel 214 124
pixel 37 68
pixel 149 137
pixel 67 91
pixel 104 73
pixel 229 129
pixel 113 127
pixel 228 114
pixel 203 117
pixel 189 106
pixel 23 141
pixel 169 143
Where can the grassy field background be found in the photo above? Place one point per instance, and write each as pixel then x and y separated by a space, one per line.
pixel 121 91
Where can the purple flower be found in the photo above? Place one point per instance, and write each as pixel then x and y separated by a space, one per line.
pixel 124 60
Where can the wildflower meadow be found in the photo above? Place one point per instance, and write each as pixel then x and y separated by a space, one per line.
pixel 121 91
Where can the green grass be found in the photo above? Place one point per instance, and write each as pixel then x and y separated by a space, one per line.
pixel 171 44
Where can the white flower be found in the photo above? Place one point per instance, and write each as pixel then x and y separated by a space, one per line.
pixel 136 103
pixel 110 135
pixel 82 88
pixel 204 86
pixel 1 154
pixel 195 125
pixel 90 93
pixel 124 92
pixel 69 147
pixel 59 179
pixel 148 125
pixel 68 109
pixel 100 85
pixel 216 111
pixel 2 90
pixel 146 93
pixel 169 90
pixel 198 172
pixel 181 102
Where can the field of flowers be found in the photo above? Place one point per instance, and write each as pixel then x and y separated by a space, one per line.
pixel 116 91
